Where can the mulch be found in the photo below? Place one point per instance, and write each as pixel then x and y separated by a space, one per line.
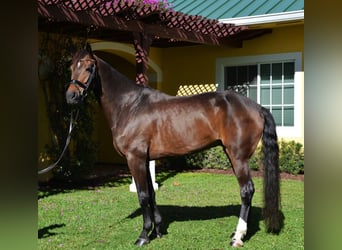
pixel 104 173
pixel 254 173
pixel 122 170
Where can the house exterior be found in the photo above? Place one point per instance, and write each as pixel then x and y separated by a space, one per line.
pixel 268 68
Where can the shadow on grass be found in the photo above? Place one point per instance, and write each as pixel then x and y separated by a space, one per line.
pixel 108 175
pixel 172 214
pixel 46 231
pixel 56 187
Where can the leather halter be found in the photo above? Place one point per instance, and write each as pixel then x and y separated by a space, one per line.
pixel 84 86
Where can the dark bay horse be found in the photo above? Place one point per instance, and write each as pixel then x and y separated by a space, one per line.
pixel 147 124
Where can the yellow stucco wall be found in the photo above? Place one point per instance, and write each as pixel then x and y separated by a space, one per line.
pixel 196 64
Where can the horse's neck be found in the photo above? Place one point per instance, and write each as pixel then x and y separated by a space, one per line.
pixel 114 84
pixel 118 91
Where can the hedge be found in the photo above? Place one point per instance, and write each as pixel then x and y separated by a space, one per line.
pixel 291 158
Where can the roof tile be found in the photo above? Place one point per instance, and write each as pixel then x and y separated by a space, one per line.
pixel 222 9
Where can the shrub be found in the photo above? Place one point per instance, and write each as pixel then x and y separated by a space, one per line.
pixel 257 158
pixel 291 158
pixel 214 158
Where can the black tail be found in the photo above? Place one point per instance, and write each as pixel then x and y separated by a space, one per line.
pixel 272 215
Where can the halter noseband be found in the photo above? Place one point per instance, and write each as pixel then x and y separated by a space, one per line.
pixel 85 86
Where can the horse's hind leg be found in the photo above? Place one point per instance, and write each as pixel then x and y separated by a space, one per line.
pixel 241 170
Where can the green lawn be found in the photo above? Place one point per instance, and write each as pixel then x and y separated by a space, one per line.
pixel 200 211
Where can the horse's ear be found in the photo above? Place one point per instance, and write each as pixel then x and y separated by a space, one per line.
pixel 88 49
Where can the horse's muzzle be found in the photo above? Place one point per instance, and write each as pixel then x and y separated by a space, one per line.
pixel 72 97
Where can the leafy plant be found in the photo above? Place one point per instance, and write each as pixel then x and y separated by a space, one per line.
pixel 160 4
pixel 256 160
pixel 214 158
pixel 54 62
pixel 291 157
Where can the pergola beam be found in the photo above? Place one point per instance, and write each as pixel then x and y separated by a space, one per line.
pixel 61 13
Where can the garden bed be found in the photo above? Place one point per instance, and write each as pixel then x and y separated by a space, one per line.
pixel 120 170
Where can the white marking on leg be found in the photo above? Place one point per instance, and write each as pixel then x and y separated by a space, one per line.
pixel 240 232
pixel 242 225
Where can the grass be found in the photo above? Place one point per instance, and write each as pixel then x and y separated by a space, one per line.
pixel 200 211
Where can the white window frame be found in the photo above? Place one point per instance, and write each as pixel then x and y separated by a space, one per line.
pixel 287 131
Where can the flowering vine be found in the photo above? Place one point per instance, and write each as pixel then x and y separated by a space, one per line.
pixel 162 4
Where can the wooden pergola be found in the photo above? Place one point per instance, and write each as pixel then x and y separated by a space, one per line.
pixel 143 25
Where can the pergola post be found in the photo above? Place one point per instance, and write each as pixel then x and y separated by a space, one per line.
pixel 142 43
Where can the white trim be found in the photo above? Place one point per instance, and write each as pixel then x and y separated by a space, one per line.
pixel 267 18
pixel 294 131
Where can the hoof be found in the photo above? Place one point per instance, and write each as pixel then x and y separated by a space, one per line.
pixel 236 243
pixel 140 242
pixel 155 234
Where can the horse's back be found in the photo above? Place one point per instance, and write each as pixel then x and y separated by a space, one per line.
pixel 181 125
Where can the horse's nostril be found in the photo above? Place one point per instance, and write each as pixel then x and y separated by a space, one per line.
pixel 71 96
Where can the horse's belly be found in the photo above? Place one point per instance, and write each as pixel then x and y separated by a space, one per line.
pixel 172 143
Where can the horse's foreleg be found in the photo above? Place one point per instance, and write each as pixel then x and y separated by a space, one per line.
pixel 156 214
pixel 138 170
pixel 146 195
pixel 246 193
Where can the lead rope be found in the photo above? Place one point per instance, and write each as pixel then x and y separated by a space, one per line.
pixel 71 126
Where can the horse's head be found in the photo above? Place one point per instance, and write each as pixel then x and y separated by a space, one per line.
pixel 83 70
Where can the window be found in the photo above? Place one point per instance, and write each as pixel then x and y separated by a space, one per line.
pixel 270 80
pixel 241 78
pixel 274 90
